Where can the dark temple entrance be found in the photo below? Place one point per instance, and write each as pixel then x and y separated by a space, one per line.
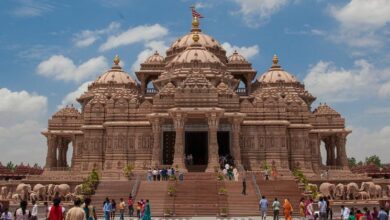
pixel 196 144
pixel 168 147
pixel 223 143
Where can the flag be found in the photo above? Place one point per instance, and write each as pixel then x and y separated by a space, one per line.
pixel 195 13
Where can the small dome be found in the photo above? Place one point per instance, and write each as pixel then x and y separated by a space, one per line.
pixel 156 58
pixel 115 75
pixel 236 58
pixel 187 40
pixel 196 52
pixel 324 109
pixel 276 74
pixel 68 111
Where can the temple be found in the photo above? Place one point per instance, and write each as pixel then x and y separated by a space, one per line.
pixel 196 101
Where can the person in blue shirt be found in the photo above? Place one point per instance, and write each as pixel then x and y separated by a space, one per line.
pixel 107 208
pixel 382 215
pixel 263 206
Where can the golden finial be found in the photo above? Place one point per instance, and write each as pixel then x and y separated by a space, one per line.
pixel 195 37
pixel 116 60
pixel 275 60
pixel 195 22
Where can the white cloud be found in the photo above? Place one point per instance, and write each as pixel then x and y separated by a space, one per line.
pixel 330 83
pixel 87 37
pixel 32 8
pixel 22 118
pixel 18 106
pixel 71 97
pixel 60 67
pixel 362 22
pixel 384 90
pixel 149 49
pixel 258 12
pixel 363 142
pixel 139 34
pixel 247 52
pixel 199 5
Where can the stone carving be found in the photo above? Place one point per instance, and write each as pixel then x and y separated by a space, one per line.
pixel 328 189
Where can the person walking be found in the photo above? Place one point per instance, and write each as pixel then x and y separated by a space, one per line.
pixel 6 215
pixel 263 206
pixel 34 211
pixel 139 207
pixel 22 213
pixel 107 208
pixel 382 215
pixel 345 213
pixel 130 205
pixel 76 212
pixel 276 208
pixel 287 209
pixel 56 211
pixel 113 209
pixel 243 186
pixel 323 209
pixel 302 208
pixel 122 207
pixel 146 214
pixel 89 210
pixel 309 210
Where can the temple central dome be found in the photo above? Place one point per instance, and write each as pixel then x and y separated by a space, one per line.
pixel 276 74
pixel 115 75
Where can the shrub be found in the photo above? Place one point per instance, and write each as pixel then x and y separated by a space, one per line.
pixel 128 171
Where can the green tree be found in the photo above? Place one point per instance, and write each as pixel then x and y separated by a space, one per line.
pixel 352 162
pixel 11 166
pixel 374 159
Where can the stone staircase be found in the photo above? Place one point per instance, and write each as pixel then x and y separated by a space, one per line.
pixel 239 204
pixel 280 189
pixel 198 195
pixel 113 190
pixel 156 192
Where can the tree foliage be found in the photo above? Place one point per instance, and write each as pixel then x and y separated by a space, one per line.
pixel 374 159
pixel 11 166
pixel 352 162
pixel 90 183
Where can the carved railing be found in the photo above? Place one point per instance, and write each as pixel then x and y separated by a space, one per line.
pixel 134 191
pixel 151 91
pixel 241 91
pixel 256 186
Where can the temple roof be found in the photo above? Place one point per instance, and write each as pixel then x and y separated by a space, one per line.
pixel 324 109
pixel 276 74
pixel 156 58
pixel 67 111
pixel 115 75
pixel 236 58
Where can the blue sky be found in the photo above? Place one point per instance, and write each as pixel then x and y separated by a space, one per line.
pixel 50 50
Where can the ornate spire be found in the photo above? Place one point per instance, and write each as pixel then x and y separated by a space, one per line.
pixel 195 37
pixel 195 20
pixel 117 60
pixel 275 60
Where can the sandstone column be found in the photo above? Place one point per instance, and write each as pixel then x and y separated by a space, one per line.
pixel 235 149
pixel 342 156
pixel 51 152
pixel 178 157
pixel 213 122
pixel 156 152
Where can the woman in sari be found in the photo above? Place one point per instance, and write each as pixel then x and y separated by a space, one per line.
pixel 287 209
pixel 147 215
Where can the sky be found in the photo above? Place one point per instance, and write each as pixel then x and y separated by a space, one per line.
pixel 51 50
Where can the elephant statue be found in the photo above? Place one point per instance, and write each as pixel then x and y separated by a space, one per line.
pixel 77 190
pixel 363 195
pixel 34 196
pixel 50 191
pixel 4 192
pixel 40 190
pixel 62 190
pixel 23 190
pixel 16 197
pixel 379 193
pixel 328 190
pixel 69 197
pixel 352 191
pixel 340 191
pixel 370 188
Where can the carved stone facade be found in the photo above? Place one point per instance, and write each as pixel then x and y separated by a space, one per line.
pixel 196 92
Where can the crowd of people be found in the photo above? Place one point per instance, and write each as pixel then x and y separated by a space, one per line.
pixel 322 210
pixel 163 174
pixel 81 210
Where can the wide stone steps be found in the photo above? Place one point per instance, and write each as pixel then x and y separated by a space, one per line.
pixel 281 189
pixel 156 192
pixel 239 204
pixel 113 190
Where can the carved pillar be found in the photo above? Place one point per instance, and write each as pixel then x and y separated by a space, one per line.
pixel 213 122
pixel 59 155
pixel 235 148
pixel 178 157
pixel 156 152
pixel 64 154
pixel 51 152
pixel 342 153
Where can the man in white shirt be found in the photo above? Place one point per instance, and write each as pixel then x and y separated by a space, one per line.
pixel 344 212
pixel 34 211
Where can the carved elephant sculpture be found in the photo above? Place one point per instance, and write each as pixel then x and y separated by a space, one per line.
pixel 50 191
pixel 370 188
pixel 16 197
pixel 77 190
pixel 34 196
pixel 379 193
pixel 340 191
pixel 352 191
pixel 4 192
pixel 328 189
pixel 23 190
pixel 41 191
pixel 363 195
pixel 62 190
